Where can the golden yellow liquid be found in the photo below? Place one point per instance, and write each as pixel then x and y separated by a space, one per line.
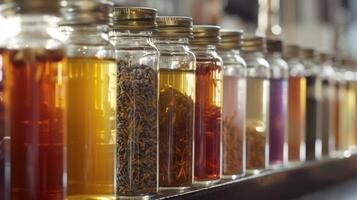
pixel 176 128
pixel 91 126
pixel 351 102
pixel 344 121
pixel 181 80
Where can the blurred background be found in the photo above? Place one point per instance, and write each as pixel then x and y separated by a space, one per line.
pixel 326 25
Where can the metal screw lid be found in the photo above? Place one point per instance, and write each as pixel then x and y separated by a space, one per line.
pixel 324 57
pixel 85 12
pixel 205 35
pixel 253 44
pixel 134 19
pixel 174 26
pixel 274 45
pixel 291 51
pixel 38 6
pixel 8 9
pixel 307 53
pixel 230 39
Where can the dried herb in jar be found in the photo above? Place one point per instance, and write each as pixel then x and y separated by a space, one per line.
pixel 176 138
pixel 136 162
pixel 256 140
pixel 232 147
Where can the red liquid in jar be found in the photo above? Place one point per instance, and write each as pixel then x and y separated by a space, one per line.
pixel 208 124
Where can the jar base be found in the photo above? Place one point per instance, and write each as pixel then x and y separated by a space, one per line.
pixel 178 188
pixel 206 182
pixel 232 176
pixel 91 197
pixel 254 171
pixel 138 197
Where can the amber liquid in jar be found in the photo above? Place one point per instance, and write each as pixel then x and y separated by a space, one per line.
pixel 91 126
pixel 2 127
pixel 35 103
pixel 208 120
pixel 337 117
pixel 176 117
pixel 297 109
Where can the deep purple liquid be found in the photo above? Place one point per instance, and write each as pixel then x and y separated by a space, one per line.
pixel 277 120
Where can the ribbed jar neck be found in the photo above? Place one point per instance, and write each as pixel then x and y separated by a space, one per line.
pixel 275 54
pixel 229 51
pixel 171 41
pixel 85 29
pixel 129 33
pixel 32 23
pixel 203 47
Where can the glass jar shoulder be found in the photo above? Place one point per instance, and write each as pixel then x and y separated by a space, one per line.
pixel 103 50
pixel 311 68
pixel 296 68
pixel 327 71
pixel 278 67
pixel 208 57
pixel 182 59
pixel 234 64
pixel 257 65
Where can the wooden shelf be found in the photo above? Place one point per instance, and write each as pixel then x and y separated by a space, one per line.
pixel 288 183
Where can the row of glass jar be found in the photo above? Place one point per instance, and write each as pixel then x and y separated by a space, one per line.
pixel 132 112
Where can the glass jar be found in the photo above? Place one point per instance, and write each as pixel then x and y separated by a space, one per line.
pixel 313 105
pixel 92 73
pixel 6 10
pixel 176 101
pixel 340 111
pixel 349 106
pixel 208 111
pixel 296 105
pixel 137 101
pixel 234 104
pixel 257 118
pixel 328 104
pixel 354 88
pixel 35 104
pixel 278 103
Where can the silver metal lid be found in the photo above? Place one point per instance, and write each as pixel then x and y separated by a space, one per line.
pixel 307 53
pixel 291 51
pixel 205 35
pixel 76 12
pixel 38 6
pixel 230 39
pixel 134 18
pixel 174 26
pixel 253 44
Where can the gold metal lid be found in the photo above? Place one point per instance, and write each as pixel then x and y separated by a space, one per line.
pixel 324 57
pixel 85 12
pixel 8 9
pixel 205 35
pixel 230 39
pixel 38 6
pixel 291 51
pixel 307 53
pixel 253 44
pixel 174 26
pixel 134 18
pixel 274 45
